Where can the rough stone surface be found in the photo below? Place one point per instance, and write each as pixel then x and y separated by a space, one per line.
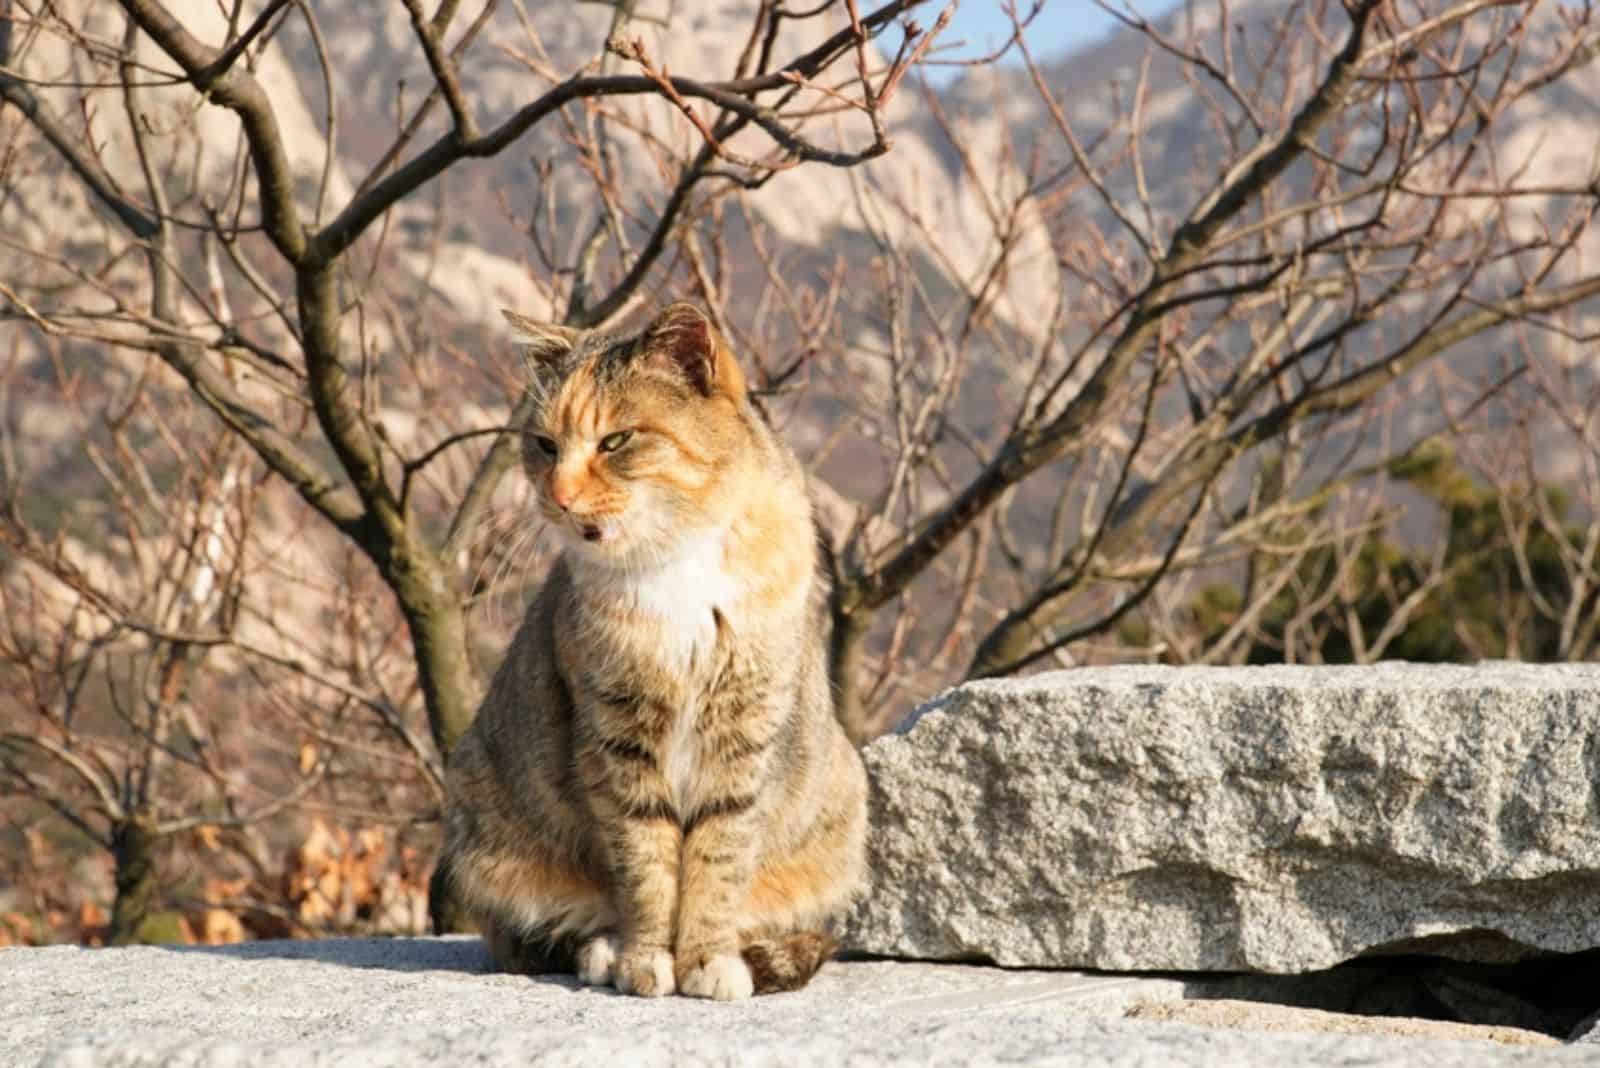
pixel 1262 819
pixel 1258 1016
pixel 1255 1016
pixel 364 1004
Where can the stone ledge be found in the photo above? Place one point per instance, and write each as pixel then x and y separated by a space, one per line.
pixel 367 1003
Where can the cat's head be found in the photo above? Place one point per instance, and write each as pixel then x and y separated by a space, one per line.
pixel 632 439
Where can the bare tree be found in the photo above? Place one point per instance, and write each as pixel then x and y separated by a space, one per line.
pixel 1548 491
pixel 108 724
pixel 181 223
pixel 173 670
pixel 1218 357
pixel 365 491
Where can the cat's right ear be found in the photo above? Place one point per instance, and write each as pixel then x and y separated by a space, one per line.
pixel 545 344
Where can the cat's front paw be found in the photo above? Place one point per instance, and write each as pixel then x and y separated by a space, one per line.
pixel 645 972
pixel 724 977
pixel 597 960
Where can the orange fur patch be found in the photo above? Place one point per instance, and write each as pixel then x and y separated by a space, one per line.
pixel 780 890
pixel 527 880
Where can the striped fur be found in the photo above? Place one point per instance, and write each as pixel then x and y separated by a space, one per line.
pixel 656 792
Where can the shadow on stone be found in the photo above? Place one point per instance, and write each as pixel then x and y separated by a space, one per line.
pixel 460 954
pixel 1550 994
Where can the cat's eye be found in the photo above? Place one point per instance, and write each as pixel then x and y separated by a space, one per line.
pixel 546 445
pixel 613 442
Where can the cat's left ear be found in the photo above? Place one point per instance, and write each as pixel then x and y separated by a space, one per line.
pixel 546 344
pixel 682 340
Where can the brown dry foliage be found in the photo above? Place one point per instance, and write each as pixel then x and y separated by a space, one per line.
pixel 335 880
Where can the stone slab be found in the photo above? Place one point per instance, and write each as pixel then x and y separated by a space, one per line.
pixel 1273 819
pixel 369 1003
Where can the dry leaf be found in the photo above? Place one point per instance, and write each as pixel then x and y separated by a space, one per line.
pixel 92 915
pixel 219 927
pixel 17 929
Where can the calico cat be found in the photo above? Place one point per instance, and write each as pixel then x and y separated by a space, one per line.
pixel 656 793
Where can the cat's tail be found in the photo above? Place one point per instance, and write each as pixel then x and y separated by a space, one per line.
pixel 787 962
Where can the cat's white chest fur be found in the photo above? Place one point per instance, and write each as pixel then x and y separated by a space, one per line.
pixel 680 594
pixel 676 599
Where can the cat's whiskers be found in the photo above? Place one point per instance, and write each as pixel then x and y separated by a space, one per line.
pixel 516 552
pixel 485 545
pixel 495 588
pixel 508 561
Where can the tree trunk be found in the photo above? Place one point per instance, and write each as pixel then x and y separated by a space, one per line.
pixel 450 691
pixel 133 844
pixel 844 671
pixel 437 620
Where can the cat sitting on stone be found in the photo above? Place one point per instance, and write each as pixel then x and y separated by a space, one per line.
pixel 656 793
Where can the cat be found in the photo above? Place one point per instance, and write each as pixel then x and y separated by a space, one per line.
pixel 656 793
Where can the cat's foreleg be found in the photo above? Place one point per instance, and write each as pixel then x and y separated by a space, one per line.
pixel 645 847
pixel 719 854
pixel 637 827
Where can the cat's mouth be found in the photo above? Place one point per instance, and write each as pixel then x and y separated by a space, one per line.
pixel 596 531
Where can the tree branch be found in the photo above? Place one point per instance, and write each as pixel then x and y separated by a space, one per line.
pixel 12 90
pixel 103 792
pixel 1034 446
pixel 239 92
pixel 733 95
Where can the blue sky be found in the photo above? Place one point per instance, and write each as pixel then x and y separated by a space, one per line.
pixel 1062 26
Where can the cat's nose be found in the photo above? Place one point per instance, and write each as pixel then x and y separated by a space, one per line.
pixel 562 492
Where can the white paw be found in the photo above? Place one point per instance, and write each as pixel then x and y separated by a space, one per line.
pixel 723 978
pixel 597 960
pixel 647 973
